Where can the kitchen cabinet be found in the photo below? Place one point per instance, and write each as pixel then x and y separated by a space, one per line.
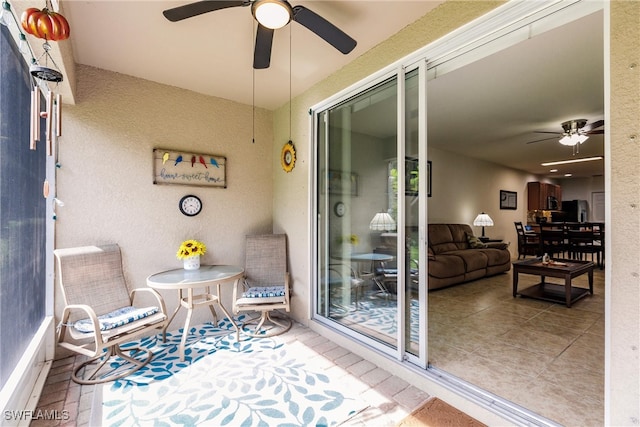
pixel 539 194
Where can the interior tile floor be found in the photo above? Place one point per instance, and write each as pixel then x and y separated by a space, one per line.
pixel 539 355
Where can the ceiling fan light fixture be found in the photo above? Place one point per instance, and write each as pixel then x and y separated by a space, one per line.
pixel 573 133
pixel 573 139
pixel 566 140
pixel 272 14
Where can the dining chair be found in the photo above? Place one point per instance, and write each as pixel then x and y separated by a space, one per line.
pixel 553 240
pixel 99 314
pixel 527 244
pixel 588 240
pixel 265 287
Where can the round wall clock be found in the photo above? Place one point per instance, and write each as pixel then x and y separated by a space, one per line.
pixel 339 209
pixel 190 205
pixel 288 157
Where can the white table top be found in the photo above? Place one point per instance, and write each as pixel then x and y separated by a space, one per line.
pixel 358 256
pixel 204 276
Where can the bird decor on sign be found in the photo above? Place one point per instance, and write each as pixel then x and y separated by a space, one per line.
pixel 200 159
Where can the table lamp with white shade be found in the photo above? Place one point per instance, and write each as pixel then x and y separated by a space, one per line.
pixel 382 221
pixel 483 220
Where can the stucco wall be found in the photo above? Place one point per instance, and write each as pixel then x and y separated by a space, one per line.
pixel 622 387
pixel 291 199
pixel 106 174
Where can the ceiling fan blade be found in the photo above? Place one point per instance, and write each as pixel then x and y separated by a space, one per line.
pixel 595 132
pixel 262 52
pixel 540 140
pixel 323 28
pixel 198 8
pixel 543 131
pixel 590 126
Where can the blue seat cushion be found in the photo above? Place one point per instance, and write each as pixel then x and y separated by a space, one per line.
pixel 116 318
pixel 264 292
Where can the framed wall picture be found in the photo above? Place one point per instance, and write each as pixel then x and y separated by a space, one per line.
pixel 429 180
pixel 508 199
pixel 339 182
pixel 184 168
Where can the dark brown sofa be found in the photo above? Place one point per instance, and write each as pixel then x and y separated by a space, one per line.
pixel 452 260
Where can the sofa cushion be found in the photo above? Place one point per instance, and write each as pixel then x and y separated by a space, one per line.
pixel 444 266
pixel 448 237
pixel 474 259
pixel 496 256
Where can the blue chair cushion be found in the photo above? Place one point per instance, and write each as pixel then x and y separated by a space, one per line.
pixel 264 292
pixel 116 318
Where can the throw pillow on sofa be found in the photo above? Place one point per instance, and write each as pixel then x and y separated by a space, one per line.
pixel 474 242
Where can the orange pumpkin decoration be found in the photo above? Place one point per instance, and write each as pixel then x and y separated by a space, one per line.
pixel 45 24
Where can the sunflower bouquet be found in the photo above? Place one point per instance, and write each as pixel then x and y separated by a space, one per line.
pixel 351 239
pixel 190 248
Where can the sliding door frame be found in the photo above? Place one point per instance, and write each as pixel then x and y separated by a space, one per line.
pixel 505 26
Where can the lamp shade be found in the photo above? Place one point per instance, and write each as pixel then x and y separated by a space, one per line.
pixel 483 220
pixel 382 221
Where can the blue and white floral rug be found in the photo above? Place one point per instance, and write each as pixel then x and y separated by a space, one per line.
pixel 382 317
pixel 256 382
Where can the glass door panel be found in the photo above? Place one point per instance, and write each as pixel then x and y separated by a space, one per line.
pixel 357 240
pixel 412 217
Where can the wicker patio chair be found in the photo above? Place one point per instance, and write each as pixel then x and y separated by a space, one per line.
pixel 265 287
pixel 99 314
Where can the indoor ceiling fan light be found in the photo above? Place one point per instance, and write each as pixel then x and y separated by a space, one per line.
pixel 582 138
pixel 567 140
pixel 272 14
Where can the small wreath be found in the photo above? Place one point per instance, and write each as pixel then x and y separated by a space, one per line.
pixel 288 157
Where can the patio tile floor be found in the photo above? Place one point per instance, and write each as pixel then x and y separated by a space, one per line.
pixel 390 398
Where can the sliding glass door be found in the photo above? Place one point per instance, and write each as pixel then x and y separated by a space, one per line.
pixel 368 210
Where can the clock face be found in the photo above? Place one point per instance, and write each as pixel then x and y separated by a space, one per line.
pixel 339 209
pixel 190 205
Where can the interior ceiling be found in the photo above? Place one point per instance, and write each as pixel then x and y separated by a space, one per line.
pixel 488 109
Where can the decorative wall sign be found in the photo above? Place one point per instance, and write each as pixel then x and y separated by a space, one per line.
pixel 184 168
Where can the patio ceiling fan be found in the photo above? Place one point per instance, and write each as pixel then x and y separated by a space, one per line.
pixel 271 15
pixel 574 132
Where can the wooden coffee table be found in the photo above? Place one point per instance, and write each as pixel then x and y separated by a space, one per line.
pixel 564 268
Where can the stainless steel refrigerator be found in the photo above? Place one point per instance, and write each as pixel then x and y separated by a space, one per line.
pixel 572 211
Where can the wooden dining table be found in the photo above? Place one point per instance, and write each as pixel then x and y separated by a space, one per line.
pixel 589 235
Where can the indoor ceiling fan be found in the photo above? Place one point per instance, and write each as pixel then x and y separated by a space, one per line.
pixel 575 132
pixel 271 15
